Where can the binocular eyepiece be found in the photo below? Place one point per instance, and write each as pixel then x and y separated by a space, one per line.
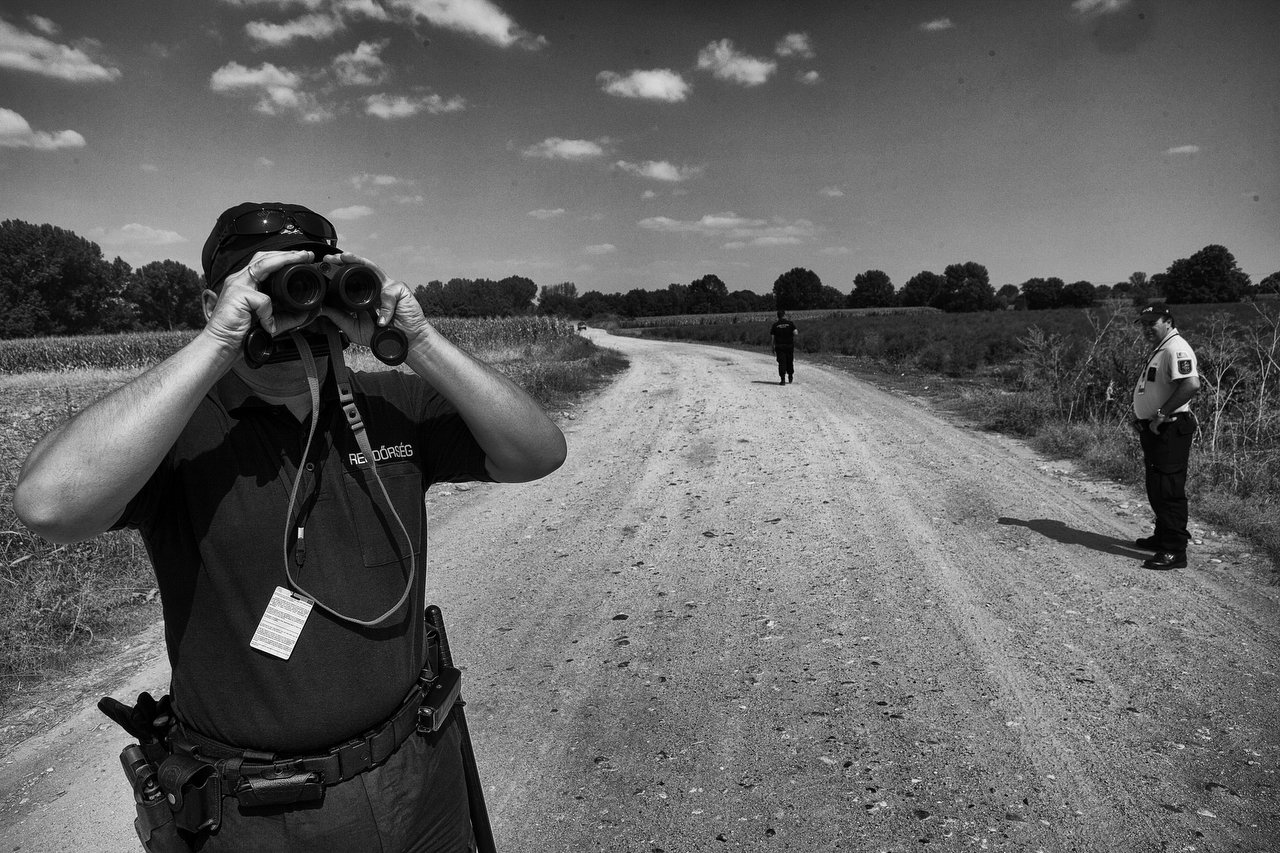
pixel 306 287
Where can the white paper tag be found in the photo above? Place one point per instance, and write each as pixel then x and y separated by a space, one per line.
pixel 282 624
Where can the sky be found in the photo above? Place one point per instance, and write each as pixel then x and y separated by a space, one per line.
pixel 622 145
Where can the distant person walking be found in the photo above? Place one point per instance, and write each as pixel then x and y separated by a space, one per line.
pixel 784 346
pixel 1165 428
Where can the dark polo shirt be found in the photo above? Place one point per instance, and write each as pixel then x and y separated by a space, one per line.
pixel 783 332
pixel 213 519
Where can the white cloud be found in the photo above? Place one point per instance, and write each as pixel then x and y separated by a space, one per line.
pixel 545 214
pixel 835 250
pixel 809 78
pixel 265 162
pixel 403 106
pixel 144 235
pixel 659 170
pixel 555 148
pixel 315 27
pixel 278 90
pixel 1183 149
pixel 725 62
pixel 1099 7
pixel 16 132
pixel 23 51
pixel 648 194
pixel 365 180
pixel 741 232
pixel 409 199
pixel 660 84
pixel 149 167
pixel 43 24
pixel 831 192
pixel 346 214
pixel 937 25
pixel 600 249
pixel 795 44
pixel 362 66
pixel 478 18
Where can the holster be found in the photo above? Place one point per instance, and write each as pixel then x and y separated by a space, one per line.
pixel 193 789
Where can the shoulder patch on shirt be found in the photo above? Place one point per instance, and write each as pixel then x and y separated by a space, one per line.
pixel 1184 365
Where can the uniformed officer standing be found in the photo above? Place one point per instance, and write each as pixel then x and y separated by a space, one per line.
pixel 1165 424
pixel 282 508
pixel 784 346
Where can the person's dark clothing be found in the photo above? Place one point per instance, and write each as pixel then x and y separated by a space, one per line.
pixel 213 520
pixel 784 332
pixel 1166 456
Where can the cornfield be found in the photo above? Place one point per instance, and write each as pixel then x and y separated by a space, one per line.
pixel 139 350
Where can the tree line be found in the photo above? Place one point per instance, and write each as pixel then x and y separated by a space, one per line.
pixel 54 282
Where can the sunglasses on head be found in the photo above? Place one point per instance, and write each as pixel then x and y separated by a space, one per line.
pixel 270 220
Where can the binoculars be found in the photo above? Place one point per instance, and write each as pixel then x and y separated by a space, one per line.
pixel 304 288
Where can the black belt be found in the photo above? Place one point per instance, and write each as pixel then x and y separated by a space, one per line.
pixel 332 767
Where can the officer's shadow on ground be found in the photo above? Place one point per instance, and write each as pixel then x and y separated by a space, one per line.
pixel 1051 528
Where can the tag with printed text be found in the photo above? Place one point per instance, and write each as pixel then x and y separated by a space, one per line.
pixel 282 624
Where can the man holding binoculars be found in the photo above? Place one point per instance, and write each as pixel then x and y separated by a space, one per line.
pixel 281 500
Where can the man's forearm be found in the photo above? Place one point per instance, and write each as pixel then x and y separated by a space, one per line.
pixel 1183 392
pixel 78 480
pixel 520 442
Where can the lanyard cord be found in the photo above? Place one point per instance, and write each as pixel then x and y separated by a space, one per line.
pixel 343 377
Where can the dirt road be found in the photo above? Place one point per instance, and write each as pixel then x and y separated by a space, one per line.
pixel 813 617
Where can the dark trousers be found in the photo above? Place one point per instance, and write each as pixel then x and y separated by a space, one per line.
pixel 416 802
pixel 785 367
pixel 1165 456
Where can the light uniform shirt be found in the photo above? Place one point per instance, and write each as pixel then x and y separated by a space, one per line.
pixel 1171 361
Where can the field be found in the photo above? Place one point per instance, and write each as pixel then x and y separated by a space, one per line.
pixel 60 603
pixel 1063 379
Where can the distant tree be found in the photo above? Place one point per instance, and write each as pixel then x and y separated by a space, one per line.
pixel 1008 294
pixel 829 297
pixel 431 297
pixel 706 295
pixel 516 295
pixel 52 282
pixel 872 289
pixel 1104 292
pixel 1136 287
pixel 166 296
pixel 967 287
pixel 1210 275
pixel 638 303
pixel 922 289
pixel 1043 293
pixel 560 300
pixel 593 303
pixel 798 289
pixel 1270 284
pixel 1079 294
pixel 748 300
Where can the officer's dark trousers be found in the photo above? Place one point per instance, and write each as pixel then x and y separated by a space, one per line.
pixel 785 366
pixel 416 801
pixel 1165 456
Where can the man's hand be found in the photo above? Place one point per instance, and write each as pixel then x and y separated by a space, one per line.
pixel 1155 423
pixel 232 310
pixel 398 306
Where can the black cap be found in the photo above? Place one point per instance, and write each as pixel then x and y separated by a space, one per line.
pixel 222 258
pixel 1154 312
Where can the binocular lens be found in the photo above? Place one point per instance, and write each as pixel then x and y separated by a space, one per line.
pixel 298 287
pixel 357 288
